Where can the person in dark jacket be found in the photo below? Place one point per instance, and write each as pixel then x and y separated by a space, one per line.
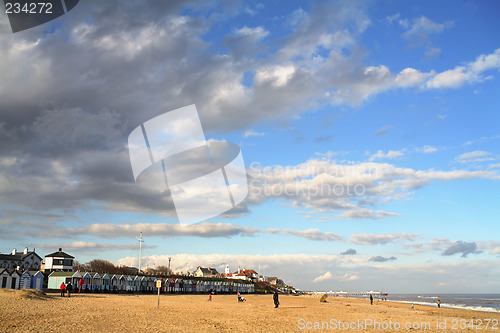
pixel 371 299
pixel 275 298
pixel 69 289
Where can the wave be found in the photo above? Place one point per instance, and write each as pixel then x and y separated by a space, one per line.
pixel 454 306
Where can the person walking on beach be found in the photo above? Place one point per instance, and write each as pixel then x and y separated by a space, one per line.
pixel 210 297
pixel 275 299
pixel 371 299
pixel 63 289
pixel 439 302
pixel 69 288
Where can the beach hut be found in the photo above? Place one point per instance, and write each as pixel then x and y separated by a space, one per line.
pixel 105 282
pixel 56 278
pixel 144 284
pixel 151 284
pixel 10 279
pixel 130 283
pixel 122 283
pixel 171 285
pixel 36 280
pixel 4 278
pixel 25 280
pixel 87 281
pixel 113 283
pixel 137 283
pixel 96 282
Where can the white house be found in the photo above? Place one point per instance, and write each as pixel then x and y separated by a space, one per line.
pixel 58 261
pixel 21 260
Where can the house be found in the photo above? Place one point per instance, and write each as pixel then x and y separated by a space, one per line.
pixel 21 260
pixel 273 280
pixel 244 274
pixel 58 261
pixel 206 272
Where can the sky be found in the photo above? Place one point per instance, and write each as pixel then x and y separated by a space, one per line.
pixel 369 132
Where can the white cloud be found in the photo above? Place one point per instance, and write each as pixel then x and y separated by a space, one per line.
pixel 256 33
pixel 204 229
pixel 313 234
pixel 278 76
pixel 326 276
pixel 426 149
pixel 421 28
pixel 250 133
pixel 363 213
pixel 324 185
pixel 475 156
pixel 372 239
pixel 383 130
pixel 391 154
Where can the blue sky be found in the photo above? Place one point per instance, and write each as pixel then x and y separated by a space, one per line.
pixel 380 119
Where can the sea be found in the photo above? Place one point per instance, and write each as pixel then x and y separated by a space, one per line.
pixel 477 302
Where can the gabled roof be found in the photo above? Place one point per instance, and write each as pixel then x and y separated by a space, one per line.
pixel 19 256
pixel 208 270
pixel 60 253
pixel 66 274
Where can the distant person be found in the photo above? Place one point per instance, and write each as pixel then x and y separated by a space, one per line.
pixel 210 297
pixel 275 299
pixel 69 288
pixel 371 299
pixel 63 289
pixel 438 302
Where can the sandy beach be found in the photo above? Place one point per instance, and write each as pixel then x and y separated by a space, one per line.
pixel 22 311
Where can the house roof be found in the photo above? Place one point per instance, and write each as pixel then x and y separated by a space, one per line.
pixel 19 256
pixel 245 272
pixel 66 274
pixel 60 253
pixel 208 270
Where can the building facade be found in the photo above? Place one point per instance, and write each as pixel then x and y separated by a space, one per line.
pixel 21 260
pixel 58 261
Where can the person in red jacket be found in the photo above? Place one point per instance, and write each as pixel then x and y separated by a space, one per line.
pixel 63 289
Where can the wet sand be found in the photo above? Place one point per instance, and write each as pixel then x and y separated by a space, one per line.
pixel 22 311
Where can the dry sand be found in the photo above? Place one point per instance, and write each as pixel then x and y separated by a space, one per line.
pixel 22 311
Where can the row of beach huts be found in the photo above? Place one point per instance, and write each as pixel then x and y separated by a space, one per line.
pixel 95 282
pixel 14 279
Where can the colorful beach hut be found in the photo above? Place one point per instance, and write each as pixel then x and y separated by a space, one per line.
pixel 96 282
pixel 56 278
pixel 25 280
pixel 114 283
pixel 136 283
pixel 10 279
pixel 36 280
pixel 105 282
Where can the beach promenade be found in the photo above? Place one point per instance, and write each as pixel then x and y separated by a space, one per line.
pixel 22 311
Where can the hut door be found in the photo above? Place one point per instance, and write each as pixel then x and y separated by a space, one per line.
pixel 13 284
pixel 4 282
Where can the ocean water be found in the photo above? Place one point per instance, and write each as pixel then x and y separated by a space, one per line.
pixel 477 302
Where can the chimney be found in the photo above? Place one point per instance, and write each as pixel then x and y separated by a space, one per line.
pixel 60 249
pixel 25 250
pixel 238 269
pixel 13 252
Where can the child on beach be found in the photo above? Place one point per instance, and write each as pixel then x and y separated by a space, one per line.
pixel 210 297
